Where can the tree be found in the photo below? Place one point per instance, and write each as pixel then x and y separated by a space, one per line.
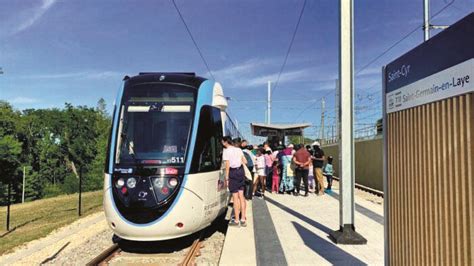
pixel 102 107
pixel 8 119
pixel 9 161
pixel 10 150
pixel 103 123
pixel 80 139
pixel 50 142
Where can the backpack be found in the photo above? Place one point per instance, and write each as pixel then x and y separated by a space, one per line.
pixel 249 160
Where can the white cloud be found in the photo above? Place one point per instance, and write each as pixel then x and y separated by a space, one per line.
pixel 245 68
pixel 296 75
pixel 256 72
pixel 23 100
pixel 31 16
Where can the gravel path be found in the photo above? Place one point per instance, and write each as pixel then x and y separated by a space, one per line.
pixel 172 252
pixel 62 241
pixel 81 241
pixel 84 253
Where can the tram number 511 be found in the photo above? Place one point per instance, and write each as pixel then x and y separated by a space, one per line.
pixel 176 160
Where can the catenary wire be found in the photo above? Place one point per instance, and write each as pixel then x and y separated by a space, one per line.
pixel 289 48
pixel 402 39
pixel 192 38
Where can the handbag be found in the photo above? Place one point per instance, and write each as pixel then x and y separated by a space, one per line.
pixel 248 175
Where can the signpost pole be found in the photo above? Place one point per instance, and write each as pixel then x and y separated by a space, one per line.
pixel 426 19
pixel 79 211
pixel 346 233
pixel 8 204
pixel 23 190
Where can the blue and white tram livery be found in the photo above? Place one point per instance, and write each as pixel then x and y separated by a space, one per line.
pixel 163 175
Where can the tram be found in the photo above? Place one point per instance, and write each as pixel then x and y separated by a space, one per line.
pixel 163 175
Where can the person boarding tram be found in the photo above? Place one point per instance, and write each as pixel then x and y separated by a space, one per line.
pixel 234 158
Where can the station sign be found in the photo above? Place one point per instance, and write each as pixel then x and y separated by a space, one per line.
pixel 440 68
pixel 456 80
pixel 266 132
pixel 277 132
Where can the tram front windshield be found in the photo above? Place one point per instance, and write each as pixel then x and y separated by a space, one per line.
pixel 155 123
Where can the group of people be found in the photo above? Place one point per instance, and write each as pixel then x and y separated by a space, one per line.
pixel 280 171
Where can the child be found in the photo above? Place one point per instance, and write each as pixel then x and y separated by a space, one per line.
pixel 311 181
pixel 260 172
pixel 328 172
pixel 275 177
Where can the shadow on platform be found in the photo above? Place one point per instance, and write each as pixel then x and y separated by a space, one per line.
pixel 362 210
pixel 300 216
pixel 325 249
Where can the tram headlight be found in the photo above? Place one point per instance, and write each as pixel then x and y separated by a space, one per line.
pixel 172 182
pixel 158 182
pixel 131 182
pixel 164 187
pixel 120 182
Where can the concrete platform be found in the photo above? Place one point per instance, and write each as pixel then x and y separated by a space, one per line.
pixel 239 246
pixel 289 230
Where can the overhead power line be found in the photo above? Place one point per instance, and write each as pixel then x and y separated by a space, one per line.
pixel 380 55
pixel 192 38
pixel 289 47
pixel 401 40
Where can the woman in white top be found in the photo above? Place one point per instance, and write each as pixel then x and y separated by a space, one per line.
pixel 235 178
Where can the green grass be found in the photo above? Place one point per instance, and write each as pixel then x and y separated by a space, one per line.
pixel 33 220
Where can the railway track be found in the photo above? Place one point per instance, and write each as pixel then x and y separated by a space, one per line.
pixel 364 188
pixel 188 260
pixel 193 252
pixel 105 256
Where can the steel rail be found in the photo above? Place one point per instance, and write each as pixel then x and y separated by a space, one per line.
pixel 105 256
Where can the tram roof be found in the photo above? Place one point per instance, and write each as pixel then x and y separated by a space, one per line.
pixel 186 78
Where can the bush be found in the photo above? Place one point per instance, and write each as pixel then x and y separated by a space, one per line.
pixel 52 191
pixel 71 184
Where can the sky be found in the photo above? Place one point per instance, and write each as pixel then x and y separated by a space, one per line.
pixel 58 51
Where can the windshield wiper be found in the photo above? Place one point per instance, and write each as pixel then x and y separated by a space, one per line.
pixel 130 147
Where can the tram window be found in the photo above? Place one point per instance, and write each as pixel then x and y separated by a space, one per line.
pixel 155 124
pixel 107 157
pixel 217 119
pixel 208 149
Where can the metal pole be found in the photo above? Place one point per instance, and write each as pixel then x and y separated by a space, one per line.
pixel 8 204
pixel 269 102
pixel 336 106
pixel 332 132
pixel 323 106
pixel 426 19
pixel 346 233
pixel 23 190
pixel 386 191
pixel 80 191
pixel 302 136
pixel 347 95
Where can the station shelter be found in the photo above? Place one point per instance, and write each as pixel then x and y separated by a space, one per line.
pixel 276 133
